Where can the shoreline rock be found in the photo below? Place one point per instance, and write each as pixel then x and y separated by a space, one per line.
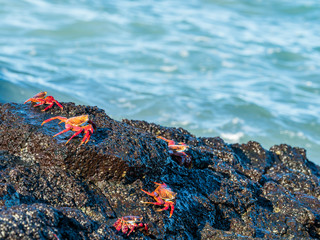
pixel 233 191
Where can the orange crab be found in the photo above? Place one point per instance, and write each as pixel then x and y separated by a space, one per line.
pixel 163 196
pixel 41 99
pixel 129 223
pixel 78 124
pixel 178 150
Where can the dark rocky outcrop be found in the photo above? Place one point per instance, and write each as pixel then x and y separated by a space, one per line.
pixel 49 190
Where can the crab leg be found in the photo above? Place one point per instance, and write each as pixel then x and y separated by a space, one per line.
pixel 86 138
pixel 41 102
pixel 34 100
pixel 172 208
pixel 159 201
pixel 118 224
pixel 170 142
pixel 132 229
pixel 124 228
pixel 88 131
pixel 157 183
pixel 83 141
pixel 154 203
pixel 63 131
pixel 143 225
pixel 29 100
pixel 62 119
pixel 165 208
pixel 150 194
pixel 50 106
pixel 76 134
pixel 58 104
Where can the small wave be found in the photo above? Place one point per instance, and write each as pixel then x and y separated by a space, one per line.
pixel 233 137
pixel 169 68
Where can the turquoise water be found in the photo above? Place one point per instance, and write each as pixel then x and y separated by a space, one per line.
pixel 243 70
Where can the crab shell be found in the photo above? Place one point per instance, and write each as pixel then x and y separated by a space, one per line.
pixel 77 121
pixel 165 192
pixel 40 95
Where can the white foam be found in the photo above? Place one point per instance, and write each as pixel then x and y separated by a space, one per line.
pixel 169 68
pixel 184 53
pixel 234 137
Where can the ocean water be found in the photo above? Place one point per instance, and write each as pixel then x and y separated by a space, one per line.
pixel 239 69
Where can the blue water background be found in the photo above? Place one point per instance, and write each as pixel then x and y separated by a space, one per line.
pixel 240 69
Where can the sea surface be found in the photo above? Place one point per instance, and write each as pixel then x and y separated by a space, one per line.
pixel 239 69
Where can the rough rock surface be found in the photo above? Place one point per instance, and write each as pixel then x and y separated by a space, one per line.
pixel 49 190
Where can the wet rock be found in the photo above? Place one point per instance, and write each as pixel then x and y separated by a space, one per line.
pixel 50 190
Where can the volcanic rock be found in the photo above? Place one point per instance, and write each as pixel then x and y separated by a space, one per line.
pixel 50 190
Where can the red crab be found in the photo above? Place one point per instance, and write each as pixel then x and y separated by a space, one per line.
pixel 163 196
pixel 129 223
pixel 78 124
pixel 178 150
pixel 41 99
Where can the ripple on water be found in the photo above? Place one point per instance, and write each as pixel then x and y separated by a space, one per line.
pixel 243 70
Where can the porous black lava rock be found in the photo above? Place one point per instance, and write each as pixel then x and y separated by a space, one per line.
pixel 50 190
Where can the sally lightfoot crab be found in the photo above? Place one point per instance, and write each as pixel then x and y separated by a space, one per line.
pixel 178 150
pixel 41 99
pixel 127 223
pixel 78 124
pixel 163 196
